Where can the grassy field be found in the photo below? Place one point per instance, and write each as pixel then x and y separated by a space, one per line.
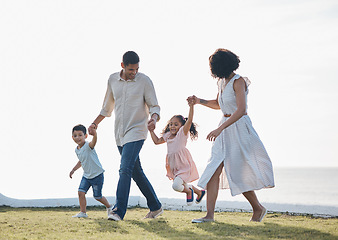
pixel 57 223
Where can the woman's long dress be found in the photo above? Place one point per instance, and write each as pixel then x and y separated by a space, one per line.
pixel 247 165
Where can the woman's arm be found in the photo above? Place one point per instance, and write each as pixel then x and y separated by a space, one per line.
pixel 208 103
pixel 239 87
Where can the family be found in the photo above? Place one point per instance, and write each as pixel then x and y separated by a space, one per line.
pixel 238 161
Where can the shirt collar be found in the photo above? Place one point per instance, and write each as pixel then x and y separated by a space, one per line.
pixel 129 80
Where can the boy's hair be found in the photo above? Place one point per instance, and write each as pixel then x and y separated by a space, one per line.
pixel 222 63
pixel 192 130
pixel 80 127
pixel 130 57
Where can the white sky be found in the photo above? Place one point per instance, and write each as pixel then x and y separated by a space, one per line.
pixel 56 57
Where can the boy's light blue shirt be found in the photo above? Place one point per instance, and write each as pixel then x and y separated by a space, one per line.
pixel 89 161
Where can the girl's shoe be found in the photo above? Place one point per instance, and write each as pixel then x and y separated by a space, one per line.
pixel 198 200
pixel 191 199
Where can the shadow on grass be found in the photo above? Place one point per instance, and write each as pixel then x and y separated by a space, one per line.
pixel 216 230
pixel 111 226
pixel 44 209
pixel 161 228
pixel 219 230
pixel 261 231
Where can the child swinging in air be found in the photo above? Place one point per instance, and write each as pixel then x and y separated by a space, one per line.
pixel 179 163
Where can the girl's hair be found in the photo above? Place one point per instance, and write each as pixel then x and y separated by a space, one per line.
pixel 192 130
pixel 222 63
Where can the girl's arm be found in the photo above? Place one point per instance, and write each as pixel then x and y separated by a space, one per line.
pixel 239 87
pixel 77 166
pixel 208 103
pixel 156 140
pixel 188 123
pixel 94 140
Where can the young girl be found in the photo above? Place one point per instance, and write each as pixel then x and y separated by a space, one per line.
pixel 179 163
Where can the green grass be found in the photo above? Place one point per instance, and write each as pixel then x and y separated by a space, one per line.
pixel 57 223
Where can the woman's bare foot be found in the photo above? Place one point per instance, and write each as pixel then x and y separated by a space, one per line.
pixel 258 215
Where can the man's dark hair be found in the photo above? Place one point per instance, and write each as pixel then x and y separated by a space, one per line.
pixel 130 57
pixel 80 128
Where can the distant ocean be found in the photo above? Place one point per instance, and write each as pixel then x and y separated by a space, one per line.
pixel 303 186
pixel 297 191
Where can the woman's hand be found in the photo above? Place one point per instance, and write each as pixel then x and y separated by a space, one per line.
pixel 214 134
pixel 192 100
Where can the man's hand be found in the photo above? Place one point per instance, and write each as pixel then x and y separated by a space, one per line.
pixel 92 129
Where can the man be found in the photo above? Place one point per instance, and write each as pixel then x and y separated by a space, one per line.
pixel 133 97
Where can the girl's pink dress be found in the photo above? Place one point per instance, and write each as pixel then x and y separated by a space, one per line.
pixel 179 161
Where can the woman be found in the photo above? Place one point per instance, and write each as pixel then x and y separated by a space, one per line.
pixel 238 160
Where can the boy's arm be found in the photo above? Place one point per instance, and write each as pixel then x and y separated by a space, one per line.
pixel 188 123
pixel 155 139
pixel 76 167
pixel 94 140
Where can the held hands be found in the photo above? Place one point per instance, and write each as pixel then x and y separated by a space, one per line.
pixel 192 100
pixel 151 125
pixel 92 129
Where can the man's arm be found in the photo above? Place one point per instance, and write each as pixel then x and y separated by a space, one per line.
pixel 95 124
pixel 107 109
pixel 151 101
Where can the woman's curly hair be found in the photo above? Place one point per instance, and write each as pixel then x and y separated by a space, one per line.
pixel 222 63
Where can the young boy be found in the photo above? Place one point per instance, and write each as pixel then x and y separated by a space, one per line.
pixel 92 169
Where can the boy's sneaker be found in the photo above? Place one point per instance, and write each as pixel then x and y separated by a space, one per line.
pixel 80 215
pixel 110 210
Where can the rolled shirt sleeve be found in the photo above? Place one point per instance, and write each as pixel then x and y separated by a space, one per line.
pixel 108 102
pixel 151 99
